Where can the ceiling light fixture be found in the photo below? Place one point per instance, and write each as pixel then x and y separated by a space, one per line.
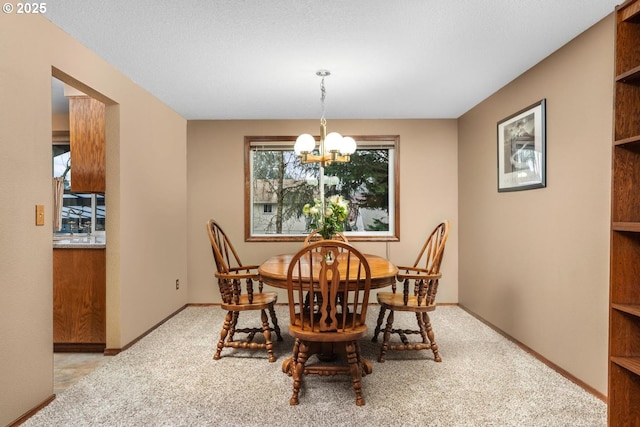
pixel 333 147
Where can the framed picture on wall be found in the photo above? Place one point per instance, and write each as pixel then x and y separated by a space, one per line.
pixel 521 149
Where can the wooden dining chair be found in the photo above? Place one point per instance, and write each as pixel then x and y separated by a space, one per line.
pixel 315 236
pixel 236 283
pixel 339 277
pixel 424 275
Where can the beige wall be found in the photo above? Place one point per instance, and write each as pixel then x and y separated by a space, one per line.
pixel 536 263
pixel 428 191
pixel 60 122
pixel 146 204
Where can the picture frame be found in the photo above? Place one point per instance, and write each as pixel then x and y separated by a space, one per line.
pixel 522 149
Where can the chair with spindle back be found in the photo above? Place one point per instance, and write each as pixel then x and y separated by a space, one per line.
pixel 420 301
pixel 236 289
pixel 338 276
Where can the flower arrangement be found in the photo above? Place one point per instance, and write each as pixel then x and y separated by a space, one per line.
pixel 332 221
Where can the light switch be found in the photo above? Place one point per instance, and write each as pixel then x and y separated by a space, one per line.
pixel 39 214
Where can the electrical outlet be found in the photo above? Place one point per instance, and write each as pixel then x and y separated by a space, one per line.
pixel 177 284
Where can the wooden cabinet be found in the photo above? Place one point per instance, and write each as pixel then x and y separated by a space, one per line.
pixel 87 140
pixel 79 300
pixel 624 287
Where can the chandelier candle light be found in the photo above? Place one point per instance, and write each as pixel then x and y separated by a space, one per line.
pixel 332 148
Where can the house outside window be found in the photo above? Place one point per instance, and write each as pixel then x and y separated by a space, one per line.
pixel 279 185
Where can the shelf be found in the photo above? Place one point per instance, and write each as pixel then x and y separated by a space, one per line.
pixel 632 227
pixel 633 309
pixel 632 75
pixel 629 12
pixel 629 363
pixel 627 141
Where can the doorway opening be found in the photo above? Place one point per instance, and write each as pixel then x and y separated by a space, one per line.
pixel 80 209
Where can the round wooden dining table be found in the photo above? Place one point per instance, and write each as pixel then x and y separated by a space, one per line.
pixel 273 271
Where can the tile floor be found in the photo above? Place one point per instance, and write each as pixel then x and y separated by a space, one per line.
pixel 69 368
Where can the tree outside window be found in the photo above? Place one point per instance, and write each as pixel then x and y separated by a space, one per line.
pixel 279 185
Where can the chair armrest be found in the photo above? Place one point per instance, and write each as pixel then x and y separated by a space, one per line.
pixel 239 273
pixel 244 268
pixel 415 273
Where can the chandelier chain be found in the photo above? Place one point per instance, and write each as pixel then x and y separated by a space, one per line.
pixel 323 94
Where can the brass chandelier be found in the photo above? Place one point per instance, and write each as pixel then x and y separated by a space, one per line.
pixel 333 147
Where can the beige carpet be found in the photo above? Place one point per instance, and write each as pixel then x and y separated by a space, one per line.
pixel 170 379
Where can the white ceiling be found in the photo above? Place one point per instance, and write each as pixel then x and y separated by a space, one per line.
pixel 243 59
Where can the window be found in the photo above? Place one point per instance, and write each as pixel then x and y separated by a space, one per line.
pixel 81 212
pixel 278 185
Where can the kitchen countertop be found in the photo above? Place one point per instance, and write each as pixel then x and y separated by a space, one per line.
pixel 79 242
